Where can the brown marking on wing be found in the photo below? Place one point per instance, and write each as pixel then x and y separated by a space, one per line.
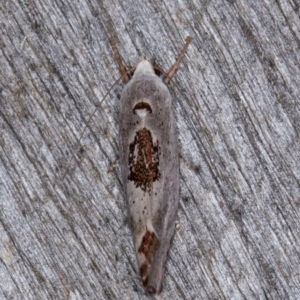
pixel 144 270
pixel 149 245
pixel 148 248
pixel 144 160
pixel 142 105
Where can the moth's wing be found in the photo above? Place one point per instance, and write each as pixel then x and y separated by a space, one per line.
pixel 164 221
pixel 150 174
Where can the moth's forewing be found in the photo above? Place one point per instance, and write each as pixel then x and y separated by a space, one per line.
pixel 150 170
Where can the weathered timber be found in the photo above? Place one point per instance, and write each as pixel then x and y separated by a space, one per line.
pixel 238 117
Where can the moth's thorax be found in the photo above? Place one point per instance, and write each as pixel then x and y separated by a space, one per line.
pixel 144 67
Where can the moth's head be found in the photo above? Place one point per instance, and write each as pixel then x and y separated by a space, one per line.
pixel 144 66
pixel 145 57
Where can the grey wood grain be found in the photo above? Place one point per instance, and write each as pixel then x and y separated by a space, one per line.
pixel 238 125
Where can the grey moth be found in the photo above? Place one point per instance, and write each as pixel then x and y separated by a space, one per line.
pixel 149 164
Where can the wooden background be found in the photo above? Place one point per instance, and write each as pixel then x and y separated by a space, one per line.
pixel 238 124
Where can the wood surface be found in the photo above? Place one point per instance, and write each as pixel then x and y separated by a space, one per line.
pixel 238 118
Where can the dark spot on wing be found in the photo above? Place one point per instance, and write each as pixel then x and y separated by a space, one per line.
pixel 143 160
pixel 148 248
pixel 142 105
pixel 149 245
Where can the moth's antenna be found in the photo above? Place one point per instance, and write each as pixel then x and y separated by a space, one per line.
pixel 180 57
pixel 174 68
pixel 92 115
pixel 118 57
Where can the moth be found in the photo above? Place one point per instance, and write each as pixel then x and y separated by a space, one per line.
pixel 149 162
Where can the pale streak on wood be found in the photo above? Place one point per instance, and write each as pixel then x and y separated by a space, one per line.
pixel 239 126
